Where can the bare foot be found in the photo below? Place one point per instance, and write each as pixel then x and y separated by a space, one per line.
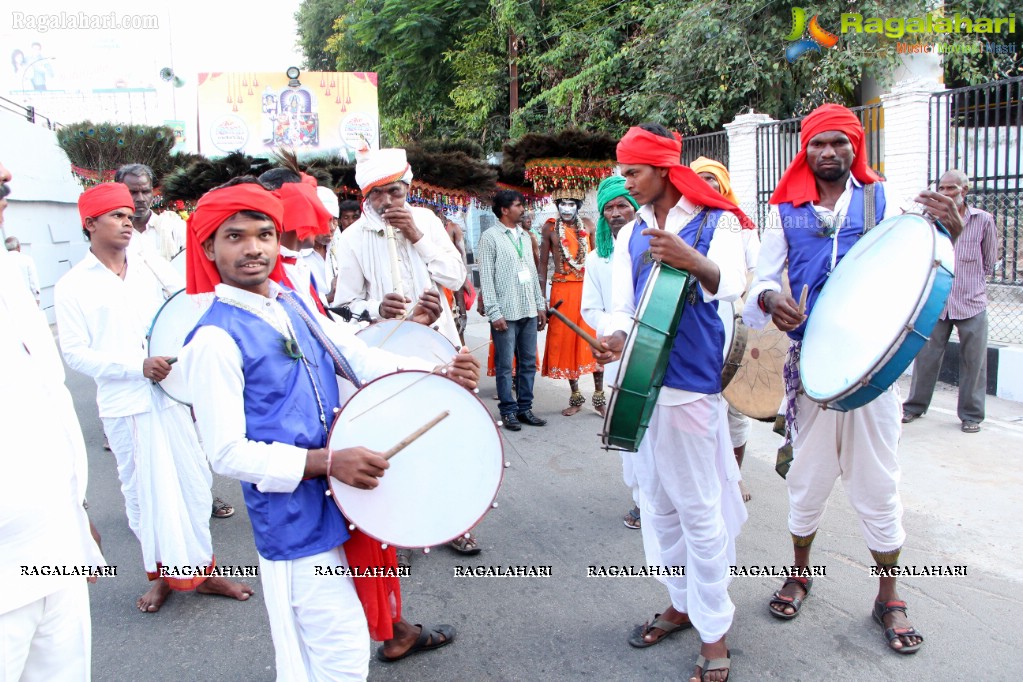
pixel 711 651
pixel 152 600
pixel 570 410
pixel 746 497
pixel 227 588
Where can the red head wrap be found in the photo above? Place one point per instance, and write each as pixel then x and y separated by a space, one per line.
pixel 798 185
pixel 303 211
pixel 643 147
pixel 213 209
pixel 104 198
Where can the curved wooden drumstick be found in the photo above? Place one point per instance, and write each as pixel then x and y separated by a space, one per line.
pixel 802 299
pixel 411 438
pixel 576 328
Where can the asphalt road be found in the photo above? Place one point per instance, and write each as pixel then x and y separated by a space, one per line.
pixel 561 506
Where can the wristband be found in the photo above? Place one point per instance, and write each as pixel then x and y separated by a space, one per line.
pixel 330 458
pixel 762 301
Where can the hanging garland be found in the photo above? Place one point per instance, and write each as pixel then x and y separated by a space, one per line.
pixel 424 194
pixel 579 262
pixel 548 175
pixel 530 199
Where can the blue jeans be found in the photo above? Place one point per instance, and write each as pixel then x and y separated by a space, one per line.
pixel 519 341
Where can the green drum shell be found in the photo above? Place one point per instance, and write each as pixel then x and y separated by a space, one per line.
pixel 645 358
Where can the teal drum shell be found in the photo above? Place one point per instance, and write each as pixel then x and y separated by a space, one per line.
pixel 645 358
pixel 876 312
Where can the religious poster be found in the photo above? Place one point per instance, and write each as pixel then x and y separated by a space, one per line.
pixel 317 114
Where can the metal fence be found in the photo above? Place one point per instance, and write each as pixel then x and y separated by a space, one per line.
pixel 778 144
pixel 978 130
pixel 712 145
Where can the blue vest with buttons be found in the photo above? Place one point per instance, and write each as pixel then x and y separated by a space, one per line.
pixel 810 251
pixel 280 407
pixel 696 355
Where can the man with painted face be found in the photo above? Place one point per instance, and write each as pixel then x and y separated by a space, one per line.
pixel 568 238
pixel 427 258
pixel 163 233
pixel 824 203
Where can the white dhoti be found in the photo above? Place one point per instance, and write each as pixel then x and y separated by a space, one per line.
pixel 317 622
pixel 166 485
pixel 858 446
pixel 49 639
pixel 738 427
pixel 689 482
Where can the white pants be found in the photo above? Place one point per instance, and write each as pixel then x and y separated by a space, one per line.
pixel 50 639
pixel 650 549
pixel 738 427
pixel 858 446
pixel 166 484
pixel 319 628
pixel 689 481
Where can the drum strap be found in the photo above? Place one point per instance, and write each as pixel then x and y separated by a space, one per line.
pixel 341 366
pixel 869 208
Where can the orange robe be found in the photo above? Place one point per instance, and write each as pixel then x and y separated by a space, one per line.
pixel 567 355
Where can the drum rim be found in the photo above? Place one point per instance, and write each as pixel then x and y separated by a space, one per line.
pixel 923 300
pixel 497 431
pixel 149 341
pixel 398 323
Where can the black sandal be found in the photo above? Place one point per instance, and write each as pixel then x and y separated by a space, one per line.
pixel 428 640
pixel 882 609
pixel 794 602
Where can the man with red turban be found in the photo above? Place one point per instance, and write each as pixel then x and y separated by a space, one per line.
pixel 686 472
pixel 826 199
pixel 104 307
pixel 260 354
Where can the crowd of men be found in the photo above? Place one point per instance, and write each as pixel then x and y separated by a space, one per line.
pixel 276 352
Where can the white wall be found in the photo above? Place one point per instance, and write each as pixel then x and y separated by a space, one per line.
pixel 43 205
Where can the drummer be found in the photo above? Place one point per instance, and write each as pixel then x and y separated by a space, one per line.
pixel 823 202
pixel 686 473
pixel 235 353
pixel 716 175
pixel 104 306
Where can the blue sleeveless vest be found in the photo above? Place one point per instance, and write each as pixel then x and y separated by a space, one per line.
pixel 280 407
pixel 810 252
pixel 696 355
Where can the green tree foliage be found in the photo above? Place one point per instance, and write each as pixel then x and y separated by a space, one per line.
pixel 606 64
pixel 315 20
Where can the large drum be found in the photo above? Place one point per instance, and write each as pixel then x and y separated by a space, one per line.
pixel 876 311
pixel 440 485
pixel 410 339
pixel 735 341
pixel 178 262
pixel 175 319
pixel 758 385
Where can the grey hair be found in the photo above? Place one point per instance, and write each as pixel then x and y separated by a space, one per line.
pixel 961 178
pixel 12 243
pixel 136 169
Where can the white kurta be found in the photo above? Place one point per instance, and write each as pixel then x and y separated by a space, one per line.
pixel 165 234
pixel 686 471
pixel 364 265
pixel 102 323
pixel 44 619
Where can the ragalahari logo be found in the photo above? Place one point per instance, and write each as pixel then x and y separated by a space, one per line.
pixel 819 37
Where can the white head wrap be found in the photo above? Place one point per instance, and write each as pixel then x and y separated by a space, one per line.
pixel 376 167
pixel 329 200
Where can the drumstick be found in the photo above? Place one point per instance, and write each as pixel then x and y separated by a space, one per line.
pixel 435 370
pixel 409 439
pixel 576 328
pixel 392 251
pixel 802 299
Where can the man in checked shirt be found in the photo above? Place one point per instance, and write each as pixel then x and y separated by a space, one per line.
pixel 514 305
pixel 976 251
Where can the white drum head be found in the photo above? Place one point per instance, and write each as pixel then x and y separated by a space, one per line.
pixel 178 262
pixel 178 316
pixel 410 339
pixel 865 306
pixel 438 487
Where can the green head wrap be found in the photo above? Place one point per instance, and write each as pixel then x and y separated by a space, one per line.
pixel 610 189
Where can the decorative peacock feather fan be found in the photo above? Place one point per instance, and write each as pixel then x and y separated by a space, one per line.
pixel 570 160
pixel 188 184
pixel 449 174
pixel 97 150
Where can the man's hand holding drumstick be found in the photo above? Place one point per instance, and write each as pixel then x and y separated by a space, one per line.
pixel 785 312
pixel 358 467
pixel 464 369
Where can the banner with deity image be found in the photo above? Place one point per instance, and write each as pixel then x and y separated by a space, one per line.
pixel 319 113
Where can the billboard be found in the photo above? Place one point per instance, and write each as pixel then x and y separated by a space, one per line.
pixel 317 114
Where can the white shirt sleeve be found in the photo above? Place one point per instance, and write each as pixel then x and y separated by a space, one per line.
pixel 623 295
pixel 442 259
pixel 774 251
pixel 212 364
pixel 726 251
pixel 592 308
pixel 352 289
pixel 76 341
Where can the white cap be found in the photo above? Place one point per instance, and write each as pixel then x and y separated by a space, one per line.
pixel 329 200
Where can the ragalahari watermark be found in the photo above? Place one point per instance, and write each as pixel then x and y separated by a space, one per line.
pixel 74 21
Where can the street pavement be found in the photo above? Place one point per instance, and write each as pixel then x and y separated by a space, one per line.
pixel 561 506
